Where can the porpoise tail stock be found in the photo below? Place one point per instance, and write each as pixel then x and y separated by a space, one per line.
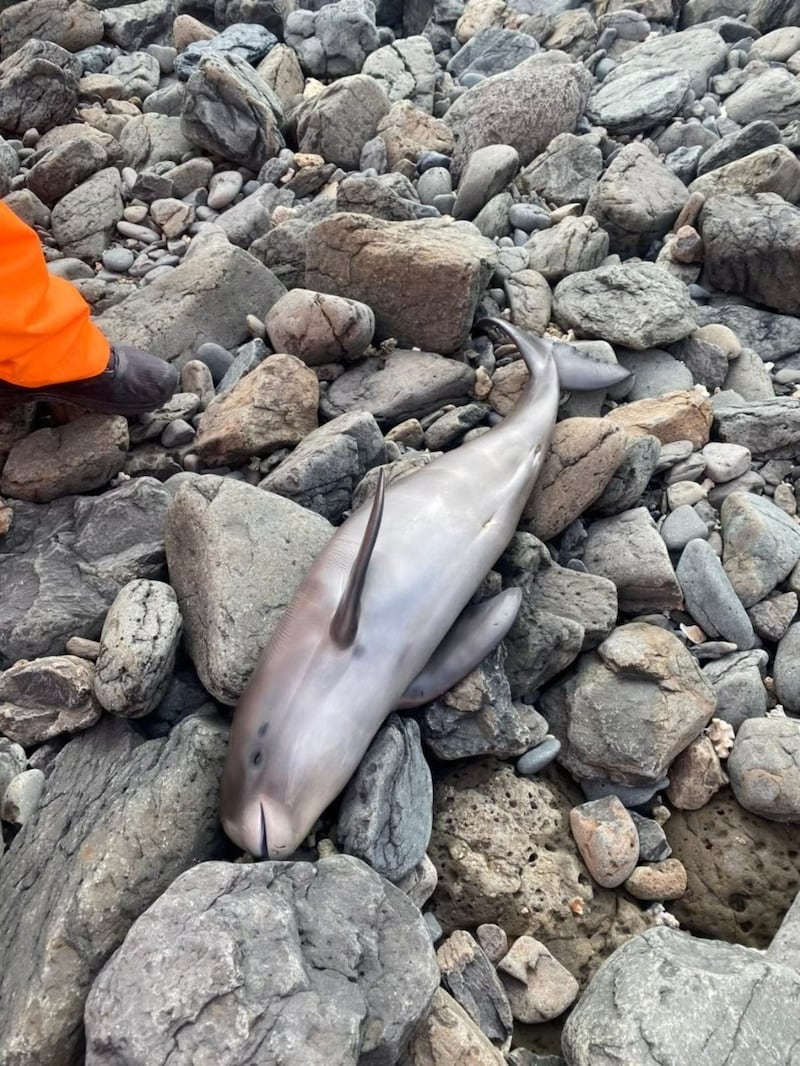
pixel 383 618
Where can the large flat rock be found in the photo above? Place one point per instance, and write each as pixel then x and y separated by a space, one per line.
pixel 206 298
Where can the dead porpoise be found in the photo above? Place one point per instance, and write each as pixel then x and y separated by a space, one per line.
pixel 382 620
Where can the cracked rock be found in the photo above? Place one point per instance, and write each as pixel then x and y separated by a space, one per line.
pixel 66 561
pixel 236 556
pixel 119 820
pixel 667 996
pixel 324 469
pixel 764 768
pixel 137 648
pixel 45 698
pixel 309 964
pixel 386 811
pixel 319 328
pixel 630 707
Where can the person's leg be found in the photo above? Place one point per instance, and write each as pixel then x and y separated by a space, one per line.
pixel 45 332
pixel 49 348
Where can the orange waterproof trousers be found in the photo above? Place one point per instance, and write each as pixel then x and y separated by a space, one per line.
pixel 46 336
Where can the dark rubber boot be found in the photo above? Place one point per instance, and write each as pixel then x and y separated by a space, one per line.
pixel 133 383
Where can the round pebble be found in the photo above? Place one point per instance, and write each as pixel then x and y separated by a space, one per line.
pixel 682 525
pixel 118 259
pixel 537 758
pixel 529 217
pixel 216 358
pixel 661 880
pixel 432 159
pixel 223 189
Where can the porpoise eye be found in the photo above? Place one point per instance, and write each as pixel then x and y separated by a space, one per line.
pixel 257 758
pixel 262 729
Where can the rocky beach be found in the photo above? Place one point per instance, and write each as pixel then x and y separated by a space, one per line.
pixel 586 852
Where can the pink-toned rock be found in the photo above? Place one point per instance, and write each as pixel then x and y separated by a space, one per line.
pixel 272 407
pixel 449 1037
pixel 659 880
pixel 407 131
pixel 682 415
pixel 695 776
pixel 584 453
pixel 537 985
pixel 320 328
pixel 507 384
pixel 606 838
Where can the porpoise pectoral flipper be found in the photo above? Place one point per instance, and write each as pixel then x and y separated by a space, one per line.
pixel 477 632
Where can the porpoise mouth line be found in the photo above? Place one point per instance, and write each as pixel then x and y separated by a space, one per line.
pixel 264 849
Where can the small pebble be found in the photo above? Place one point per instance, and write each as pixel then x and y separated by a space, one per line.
pixel 22 797
pixel 223 189
pixel 540 756
pixel 494 941
pixel 661 880
pixel 684 493
pixel 606 838
pixel 118 259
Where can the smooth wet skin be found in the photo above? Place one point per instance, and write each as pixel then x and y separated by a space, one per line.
pixel 368 630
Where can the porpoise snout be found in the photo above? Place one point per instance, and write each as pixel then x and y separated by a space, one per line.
pixel 264 828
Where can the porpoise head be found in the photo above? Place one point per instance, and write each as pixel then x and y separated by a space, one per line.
pixel 251 815
pixel 285 759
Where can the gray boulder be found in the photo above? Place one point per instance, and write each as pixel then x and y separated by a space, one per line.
pixel 635 304
pixel 119 820
pixel 309 964
pixel 324 469
pixel 630 707
pixel 206 298
pixel 38 87
pixel 666 996
pixel 386 811
pixel 231 112
pixel 63 563
pixel 236 556
pixel 525 107
pixel 400 385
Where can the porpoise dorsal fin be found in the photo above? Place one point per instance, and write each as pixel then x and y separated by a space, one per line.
pixel 344 624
